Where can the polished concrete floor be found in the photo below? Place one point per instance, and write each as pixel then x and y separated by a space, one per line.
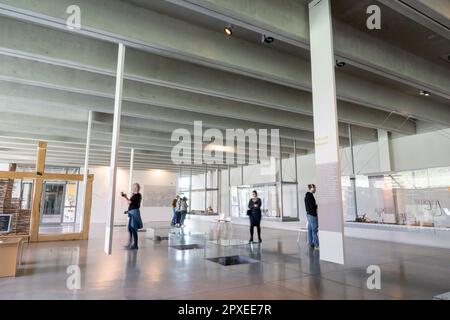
pixel 286 269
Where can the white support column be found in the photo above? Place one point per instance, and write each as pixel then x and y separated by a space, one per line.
pixel 296 180
pixel 180 174
pixel 86 167
pixel 353 177
pixel 218 187
pixel 115 149
pixel 280 178
pixel 329 196
pixel 130 182
pixel 190 191
pixel 206 188
pixel 229 192
pixel 384 150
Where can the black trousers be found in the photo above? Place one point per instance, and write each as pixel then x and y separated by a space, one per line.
pixel 258 228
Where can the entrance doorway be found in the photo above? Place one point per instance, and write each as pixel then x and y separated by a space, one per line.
pixel 52 203
pixel 59 204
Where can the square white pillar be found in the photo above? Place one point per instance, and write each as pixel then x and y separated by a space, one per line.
pixel 114 149
pixel 329 195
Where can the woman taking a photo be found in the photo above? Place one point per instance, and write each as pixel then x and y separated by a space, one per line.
pixel 254 213
pixel 134 215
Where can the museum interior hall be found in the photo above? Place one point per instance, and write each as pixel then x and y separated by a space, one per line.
pixel 202 149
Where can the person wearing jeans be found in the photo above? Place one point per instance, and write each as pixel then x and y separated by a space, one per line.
pixel 183 210
pixel 134 216
pixel 311 214
pixel 174 211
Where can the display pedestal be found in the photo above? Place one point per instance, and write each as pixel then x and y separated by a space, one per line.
pixel 9 251
pixel 158 232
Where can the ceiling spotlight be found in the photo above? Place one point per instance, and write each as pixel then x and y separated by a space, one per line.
pixel 267 39
pixel 340 64
pixel 228 30
pixel 424 93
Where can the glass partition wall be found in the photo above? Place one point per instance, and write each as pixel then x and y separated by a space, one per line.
pixel 275 181
pixel 411 198
pixel 201 189
pixel 59 212
pixel 59 201
pixel 288 182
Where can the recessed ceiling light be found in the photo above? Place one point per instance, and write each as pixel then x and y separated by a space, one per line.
pixel 228 30
pixel 425 93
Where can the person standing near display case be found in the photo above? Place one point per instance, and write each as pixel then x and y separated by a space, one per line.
pixel 311 214
pixel 183 210
pixel 254 213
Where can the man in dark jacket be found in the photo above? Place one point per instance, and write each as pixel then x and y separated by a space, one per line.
pixel 311 214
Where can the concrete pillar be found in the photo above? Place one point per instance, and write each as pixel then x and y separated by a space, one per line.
pixel 384 150
pixel 329 196
pixel 114 149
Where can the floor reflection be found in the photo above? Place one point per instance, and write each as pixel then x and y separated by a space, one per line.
pixel 285 268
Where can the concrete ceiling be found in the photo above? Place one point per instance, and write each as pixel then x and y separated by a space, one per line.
pixel 398 30
pixel 180 68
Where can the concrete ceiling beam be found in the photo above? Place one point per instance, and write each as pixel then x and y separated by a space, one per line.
pixel 150 33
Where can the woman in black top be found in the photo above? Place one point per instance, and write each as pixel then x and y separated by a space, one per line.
pixel 254 213
pixel 134 215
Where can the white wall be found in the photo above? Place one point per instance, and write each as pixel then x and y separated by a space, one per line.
pixel 421 151
pixel 149 177
pixel 424 150
pixel 255 174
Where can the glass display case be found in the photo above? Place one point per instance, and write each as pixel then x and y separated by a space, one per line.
pixel 268 195
pixel 411 198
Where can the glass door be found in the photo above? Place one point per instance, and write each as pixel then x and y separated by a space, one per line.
pixel 266 192
pixel 52 207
